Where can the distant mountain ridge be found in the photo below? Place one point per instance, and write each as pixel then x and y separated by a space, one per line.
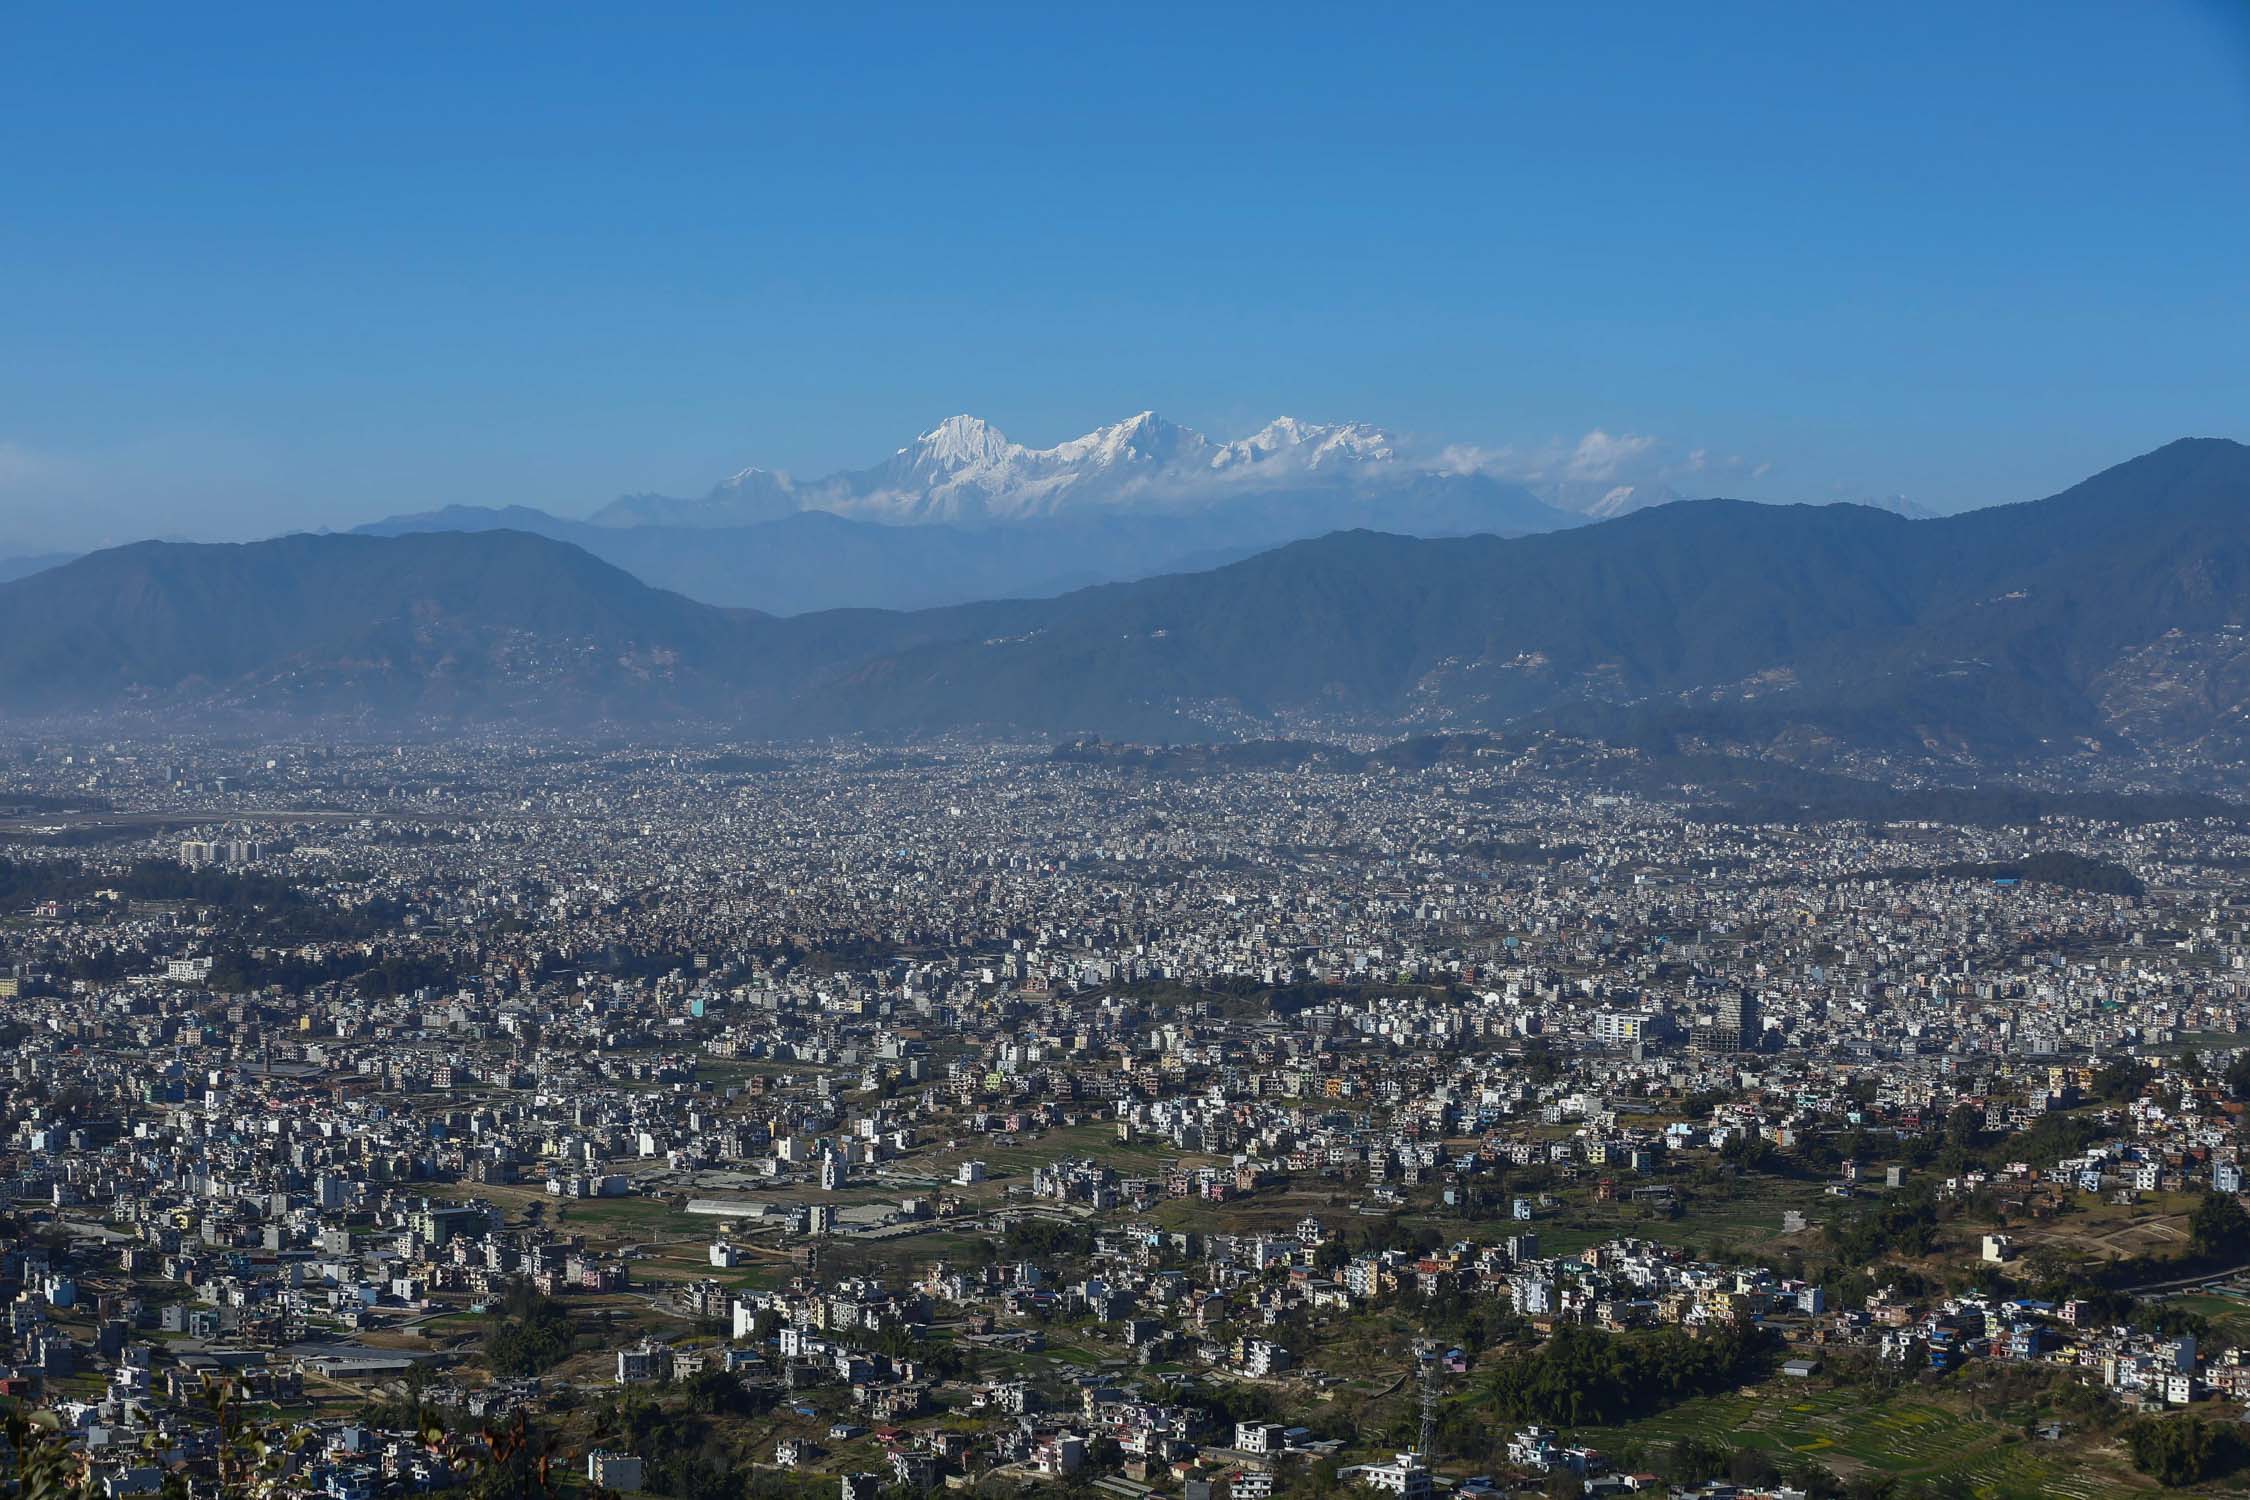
pixel 814 560
pixel 12 568
pixel 480 626
pixel 2113 618
pixel 962 513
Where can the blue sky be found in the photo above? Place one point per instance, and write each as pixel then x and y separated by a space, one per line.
pixel 272 266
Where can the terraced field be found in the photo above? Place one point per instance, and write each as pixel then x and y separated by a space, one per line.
pixel 1910 1435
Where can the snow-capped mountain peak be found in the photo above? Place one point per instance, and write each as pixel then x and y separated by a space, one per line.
pixel 753 478
pixel 1310 445
pixel 1143 438
pixel 961 442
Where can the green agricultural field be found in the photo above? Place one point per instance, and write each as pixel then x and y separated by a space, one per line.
pixel 2229 1315
pixel 1076 1354
pixel 624 1218
pixel 1096 1141
pixel 1912 1434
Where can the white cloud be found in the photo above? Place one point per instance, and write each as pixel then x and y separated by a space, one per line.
pixel 1604 473
pixel 1601 458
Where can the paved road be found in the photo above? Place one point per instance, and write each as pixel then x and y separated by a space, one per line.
pixel 2202 1279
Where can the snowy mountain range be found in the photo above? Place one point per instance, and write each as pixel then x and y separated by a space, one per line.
pixel 964 513
pixel 965 471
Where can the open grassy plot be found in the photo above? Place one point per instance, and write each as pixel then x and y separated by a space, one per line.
pixel 1736 1214
pixel 2094 1228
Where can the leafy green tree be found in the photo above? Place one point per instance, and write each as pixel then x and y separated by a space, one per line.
pixel 2185 1450
pixel 534 1333
pixel 1903 1223
pixel 1751 1466
pixel 1583 1378
pixel 2122 1080
pixel 2220 1226
pixel 717 1393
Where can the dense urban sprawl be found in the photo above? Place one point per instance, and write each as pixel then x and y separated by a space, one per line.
pixel 725 1121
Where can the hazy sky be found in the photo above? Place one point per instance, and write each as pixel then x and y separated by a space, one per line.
pixel 266 266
